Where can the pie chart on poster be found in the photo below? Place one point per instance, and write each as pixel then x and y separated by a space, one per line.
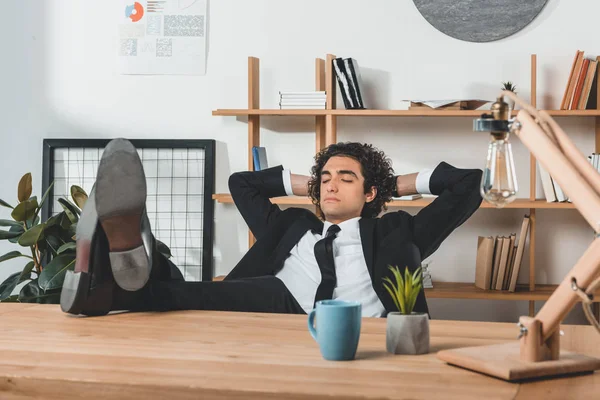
pixel 477 20
pixel 135 12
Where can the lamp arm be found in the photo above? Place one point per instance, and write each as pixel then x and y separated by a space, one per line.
pixel 557 153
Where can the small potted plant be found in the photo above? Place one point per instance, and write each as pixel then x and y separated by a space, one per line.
pixel 511 88
pixel 407 331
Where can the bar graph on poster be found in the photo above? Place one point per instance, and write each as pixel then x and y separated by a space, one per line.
pixel 162 37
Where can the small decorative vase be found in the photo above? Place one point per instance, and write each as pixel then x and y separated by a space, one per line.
pixel 407 334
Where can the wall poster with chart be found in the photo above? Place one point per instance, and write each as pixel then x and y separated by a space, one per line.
pixel 179 181
pixel 162 37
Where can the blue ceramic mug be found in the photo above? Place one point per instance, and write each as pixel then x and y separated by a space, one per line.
pixel 338 328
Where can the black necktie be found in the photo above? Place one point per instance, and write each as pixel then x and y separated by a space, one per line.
pixel 324 256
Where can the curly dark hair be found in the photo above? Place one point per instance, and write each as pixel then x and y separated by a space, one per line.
pixel 375 167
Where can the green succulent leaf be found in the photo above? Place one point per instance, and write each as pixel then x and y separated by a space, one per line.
pixel 5 204
pixel 391 291
pixel 25 210
pixel 7 287
pixel 31 237
pixel 406 288
pixel 53 275
pixel 25 187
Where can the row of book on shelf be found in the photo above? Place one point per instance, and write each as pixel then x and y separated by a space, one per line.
pixel 551 188
pixel 580 92
pixel 499 259
pixel 349 82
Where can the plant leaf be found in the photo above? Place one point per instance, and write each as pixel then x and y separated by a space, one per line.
pixel 163 249
pixel 11 299
pixel 31 237
pixel 16 232
pixel 391 292
pixel 79 196
pixel 55 219
pixel 66 246
pixel 8 222
pixel 24 191
pixel 43 200
pixel 26 273
pixel 8 235
pixel 407 283
pixel 25 210
pixel 53 275
pixel 70 210
pixel 5 204
pixel 7 287
pixel 11 255
pixel 32 293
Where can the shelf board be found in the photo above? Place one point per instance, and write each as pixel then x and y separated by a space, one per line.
pixel 468 290
pixel 388 113
pixel 301 200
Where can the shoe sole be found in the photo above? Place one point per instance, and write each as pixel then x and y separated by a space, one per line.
pixel 75 291
pixel 121 201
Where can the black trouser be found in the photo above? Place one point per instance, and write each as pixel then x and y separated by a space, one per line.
pixel 260 294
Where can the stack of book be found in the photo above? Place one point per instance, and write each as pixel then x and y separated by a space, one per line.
pixel 580 90
pixel 302 100
pixel 551 188
pixel 499 259
pixel 349 82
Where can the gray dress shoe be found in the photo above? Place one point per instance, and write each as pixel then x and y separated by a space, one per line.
pixel 121 205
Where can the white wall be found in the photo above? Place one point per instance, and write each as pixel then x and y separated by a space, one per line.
pixel 59 79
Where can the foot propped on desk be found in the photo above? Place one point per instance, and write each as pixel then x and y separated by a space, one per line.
pixel 504 361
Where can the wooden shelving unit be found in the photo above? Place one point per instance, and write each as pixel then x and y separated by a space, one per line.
pixel 519 203
pixel 326 134
pixel 386 113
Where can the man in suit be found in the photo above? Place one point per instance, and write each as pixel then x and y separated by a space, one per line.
pixel 299 258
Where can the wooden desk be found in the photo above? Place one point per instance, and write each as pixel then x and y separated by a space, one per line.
pixel 45 353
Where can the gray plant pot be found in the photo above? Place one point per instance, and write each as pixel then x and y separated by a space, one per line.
pixel 407 334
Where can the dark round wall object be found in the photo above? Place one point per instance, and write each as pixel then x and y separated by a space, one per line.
pixel 479 20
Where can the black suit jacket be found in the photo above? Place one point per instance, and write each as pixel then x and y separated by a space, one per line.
pixel 397 238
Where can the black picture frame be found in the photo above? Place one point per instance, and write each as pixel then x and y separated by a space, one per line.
pixel 208 145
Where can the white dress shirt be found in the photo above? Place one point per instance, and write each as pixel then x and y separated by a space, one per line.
pixel 301 273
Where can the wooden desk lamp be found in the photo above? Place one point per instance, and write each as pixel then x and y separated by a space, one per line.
pixel 538 354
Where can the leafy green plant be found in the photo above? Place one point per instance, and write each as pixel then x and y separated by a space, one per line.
pixel 509 86
pixel 50 245
pixel 405 290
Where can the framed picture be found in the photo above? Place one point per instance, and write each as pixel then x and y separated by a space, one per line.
pixel 180 178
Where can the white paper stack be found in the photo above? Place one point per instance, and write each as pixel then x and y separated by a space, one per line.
pixel 302 100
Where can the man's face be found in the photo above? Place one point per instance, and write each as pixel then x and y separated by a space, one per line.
pixel 342 189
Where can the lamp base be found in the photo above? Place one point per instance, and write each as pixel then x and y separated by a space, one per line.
pixel 504 361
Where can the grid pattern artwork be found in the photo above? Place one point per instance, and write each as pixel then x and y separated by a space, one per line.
pixel 179 194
